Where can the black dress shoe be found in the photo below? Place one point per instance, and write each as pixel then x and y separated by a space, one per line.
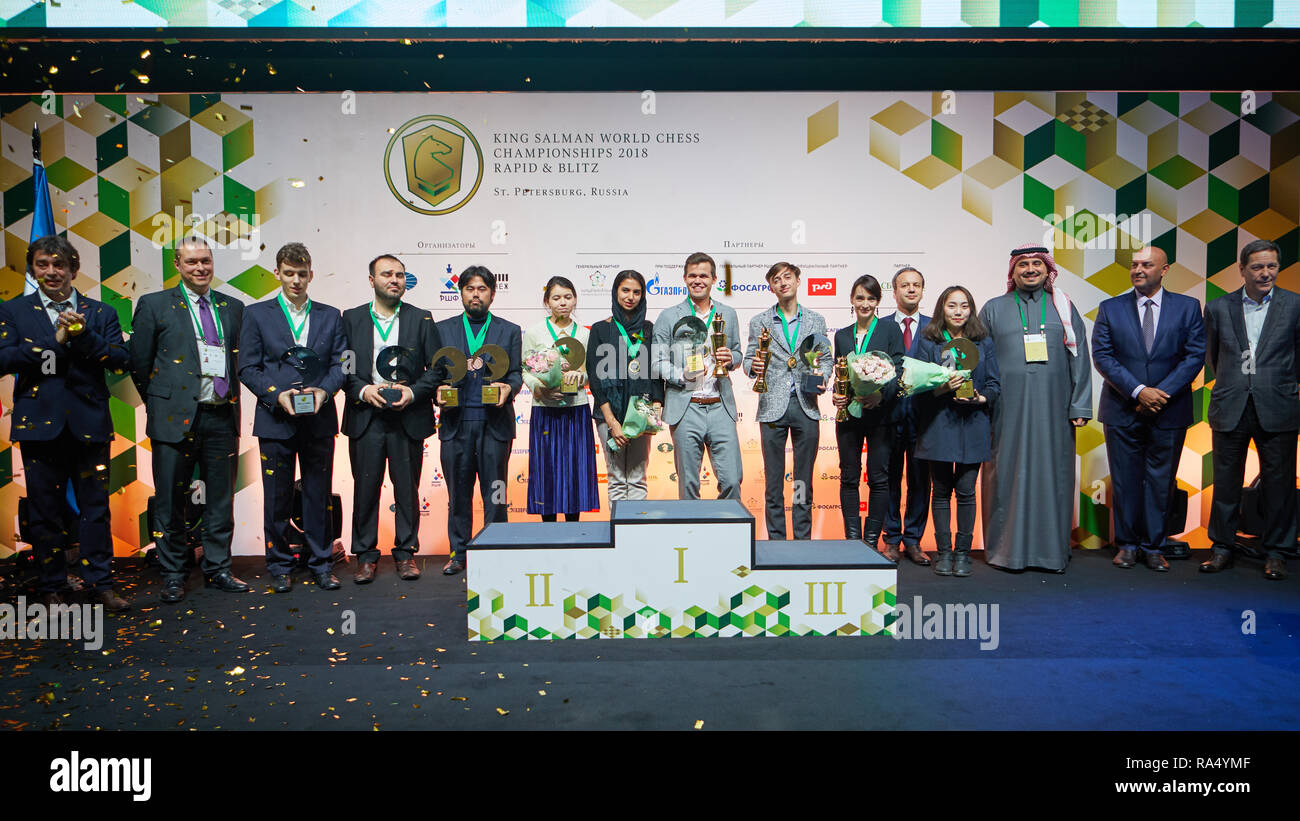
pixel 326 581
pixel 173 590
pixel 1124 557
pixel 281 583
pixel 1219 560
pixel 365 573
pixel 916 554
pixel 1275 568
pixel 452 567
pixel 226 581
pixel 1156 562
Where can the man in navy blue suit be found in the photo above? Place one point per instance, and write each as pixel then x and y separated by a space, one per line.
pixel 58 344
pixel 1148 345
pixel 475 437
pixel 272 330
pixel 908 289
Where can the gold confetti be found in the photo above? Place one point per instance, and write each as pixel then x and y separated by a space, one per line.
pixel 699 725
pixel 502 712
pixel 541 692
pixel 329 630
pixel 459 698
pixel 296 183
pixel 238 671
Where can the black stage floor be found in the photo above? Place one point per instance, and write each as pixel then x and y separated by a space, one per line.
pixel 1094 648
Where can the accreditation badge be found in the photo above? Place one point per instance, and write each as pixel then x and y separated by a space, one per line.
pixel 212 360
pixel 1035 347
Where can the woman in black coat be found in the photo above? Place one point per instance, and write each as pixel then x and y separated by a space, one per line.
pixel 875 427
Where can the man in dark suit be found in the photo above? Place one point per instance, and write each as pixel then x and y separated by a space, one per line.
pixel 1253 351
pixel 476 438
pixel 382 430
pixel 184 355
pixel 274 331
pixel 58 343
pixel 908 529
pixel 1148 345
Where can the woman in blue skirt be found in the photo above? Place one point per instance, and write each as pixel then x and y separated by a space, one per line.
pixel 953 432
pixel 561 452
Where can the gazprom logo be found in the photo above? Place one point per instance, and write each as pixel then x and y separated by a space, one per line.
pixel 653 288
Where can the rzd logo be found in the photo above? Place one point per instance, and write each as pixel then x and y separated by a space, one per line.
pixel 821 286
pixel 432 166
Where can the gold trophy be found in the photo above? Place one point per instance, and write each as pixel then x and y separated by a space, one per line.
pixel 575 356
pixel 457 367
pixel 719 342
pixel 764 355
pixel 842 386
pixel 498 364
pixel 967 357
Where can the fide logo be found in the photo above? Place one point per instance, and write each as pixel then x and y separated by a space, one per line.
pixel 429 167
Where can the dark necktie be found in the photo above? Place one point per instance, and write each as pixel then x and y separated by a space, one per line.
pixel 907 334
pixel 219 384
pixel 1149 326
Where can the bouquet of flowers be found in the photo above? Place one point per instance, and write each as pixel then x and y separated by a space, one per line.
pixel 545 367
pixel 921 376
pixel 639 420
pixel 868 373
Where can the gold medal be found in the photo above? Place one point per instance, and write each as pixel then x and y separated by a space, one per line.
pixel 634 367
pixel 791 362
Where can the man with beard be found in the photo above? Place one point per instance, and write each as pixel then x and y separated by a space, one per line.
pixel 1253 349
pixel 275 332
pixel 1028 486
pixel 699 407
pixel 381 429
pixel 58 343
pixel 476 438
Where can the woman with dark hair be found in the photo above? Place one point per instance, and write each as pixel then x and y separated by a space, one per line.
pixel 953 432
pixel 618 361
pixel 875 427
pixel 561 457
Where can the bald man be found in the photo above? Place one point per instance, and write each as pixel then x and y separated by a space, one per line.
pixel 1148 345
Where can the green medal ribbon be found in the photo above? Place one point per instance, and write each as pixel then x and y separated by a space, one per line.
pixel 221 336
pixel 475 342
pixel 1024 323
pixel 564 349
pixel 633 348
pixel 866 338
pixel 383 334
pixel 785 327
pixel 297 332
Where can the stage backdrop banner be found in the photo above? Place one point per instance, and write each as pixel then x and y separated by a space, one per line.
pixel 585 185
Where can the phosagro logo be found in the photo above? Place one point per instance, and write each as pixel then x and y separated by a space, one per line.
pixel 740 287
pixel 77 774
pixel 427 163
pixel 821 286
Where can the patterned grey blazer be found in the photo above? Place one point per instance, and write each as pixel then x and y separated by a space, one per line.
pixel 772 405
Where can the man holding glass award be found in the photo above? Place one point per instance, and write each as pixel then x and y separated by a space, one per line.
pixel 483 355
pixel 696 345
pixel 388 414
pixel 290 358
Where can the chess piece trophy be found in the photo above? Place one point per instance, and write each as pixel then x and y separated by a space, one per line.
pixel 764 355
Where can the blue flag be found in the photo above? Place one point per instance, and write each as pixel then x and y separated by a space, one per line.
pixel 42 215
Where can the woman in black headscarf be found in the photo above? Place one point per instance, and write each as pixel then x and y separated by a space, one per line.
pixel 618 369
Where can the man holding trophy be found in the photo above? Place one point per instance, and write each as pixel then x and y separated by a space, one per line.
pixel 388 414
pixel 290 358
pixel 696 345
pixel 483 354
pixel 788 386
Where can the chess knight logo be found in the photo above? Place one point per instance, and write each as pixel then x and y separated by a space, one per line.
pixel 434 166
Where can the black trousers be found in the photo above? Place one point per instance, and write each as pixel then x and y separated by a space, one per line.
pixel 385 441
pixel 910 527
pixel 473 454
pixel 48 466
pixel 212 444
pixel 849 437
pixel 946 478
pixel 314 456
pixel 1143 462
pixel 803 435
pixel 1277 451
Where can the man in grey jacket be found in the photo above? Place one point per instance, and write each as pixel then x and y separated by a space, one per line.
pixel 785 409
pixel 699 407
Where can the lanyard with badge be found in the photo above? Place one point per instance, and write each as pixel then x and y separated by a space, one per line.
pixel 1035 344
pixel 212 358
pixel 633 348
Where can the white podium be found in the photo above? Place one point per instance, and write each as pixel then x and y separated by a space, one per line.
pixel 660 569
